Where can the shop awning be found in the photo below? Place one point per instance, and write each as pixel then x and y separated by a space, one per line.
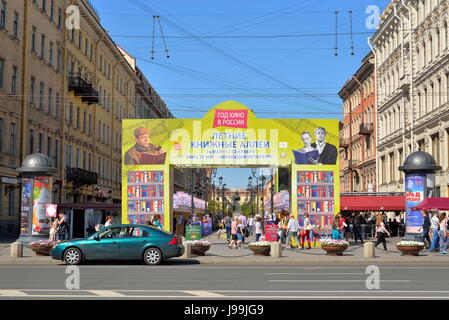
pixel 434 203
pixel 372 203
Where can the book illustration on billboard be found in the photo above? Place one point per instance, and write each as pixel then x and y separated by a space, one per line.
pixel 151 158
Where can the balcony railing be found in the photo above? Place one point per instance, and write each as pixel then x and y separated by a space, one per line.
pixel 81 176
pixel 83 88
pixel 366 128
pixel 344 142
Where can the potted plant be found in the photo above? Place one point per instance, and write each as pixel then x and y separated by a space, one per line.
pixel 260 248
pixel 334 247
pixel 42 247
pixel 410 248
pixel 199 247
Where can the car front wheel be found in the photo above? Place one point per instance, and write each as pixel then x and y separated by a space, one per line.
pixel 73 256
pixel 152 256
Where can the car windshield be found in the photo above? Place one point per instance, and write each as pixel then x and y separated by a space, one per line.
pixel 109 233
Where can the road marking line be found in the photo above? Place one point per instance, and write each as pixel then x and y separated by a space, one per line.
pixel 324 280
pixel 106 293
pixel 13 293
pixel 318 273
pixel 203 294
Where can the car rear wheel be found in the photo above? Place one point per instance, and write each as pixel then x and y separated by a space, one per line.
pixel 73 256
pixel 152 256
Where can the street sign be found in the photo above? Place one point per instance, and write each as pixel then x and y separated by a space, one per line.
pixel 50 210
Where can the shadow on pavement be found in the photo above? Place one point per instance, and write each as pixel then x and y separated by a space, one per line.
pixel 140 263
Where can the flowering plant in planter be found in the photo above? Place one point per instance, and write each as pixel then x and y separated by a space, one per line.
pixel 42 243
pixel 410 244
pixel 259 244
pixel 199 242
pixel 332 242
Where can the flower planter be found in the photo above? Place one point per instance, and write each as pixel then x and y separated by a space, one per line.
pixel 410 250
pixel 260 250
pixel 199 250
pixel 334 250
pixel 41 250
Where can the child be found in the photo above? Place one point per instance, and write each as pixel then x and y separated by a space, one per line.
pixel 258 228
pixel 53 229
pixel 316 234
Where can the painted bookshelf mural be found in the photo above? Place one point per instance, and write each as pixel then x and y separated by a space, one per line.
pixel 316 196
pixel 145 195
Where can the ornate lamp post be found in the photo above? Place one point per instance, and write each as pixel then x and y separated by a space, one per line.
pixel 262 179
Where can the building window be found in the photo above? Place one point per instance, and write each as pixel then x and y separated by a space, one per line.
pixel 50 97
pixel 436 148
pixel 33 39
pixel 56 153
pixel 32 85
pixel 31 142
pixel 59 18
pixel 3 14
pixel 84 122
pixel 13 139
pixel 51 53
pixel 384 170
pixel 41 94
pixel 44 6
pixel 52 10
pixel 42 46
pixel 49 146
pixel 90 124
pixel 78 117
pixel 15 26
pixel 80 40
pixel 2 66
pixel 58 105
pixel 41 143
pixel 14 80
pixel 12 202
pixel 1 135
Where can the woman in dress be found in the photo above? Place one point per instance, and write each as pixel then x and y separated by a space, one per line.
pixel 305 232
pixel 233 242
pixel 307 154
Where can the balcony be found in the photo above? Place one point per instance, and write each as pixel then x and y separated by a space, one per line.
pixel 81 176
pixel 344 142
pixel 366 128
pixel 82 88
pixel 353 163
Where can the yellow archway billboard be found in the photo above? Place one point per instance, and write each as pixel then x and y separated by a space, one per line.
pixel 229 135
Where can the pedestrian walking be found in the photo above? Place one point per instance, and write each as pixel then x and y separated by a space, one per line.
pixel 435 227
pixel 426 229
pixel 335 227
pixel 443 233
pixel 305 232
pixel 227 223
pixel 234 238
pixel 243 220
pixel 342 226
pixel 292 231
pixel 240 234
pixel 283 227
pixel 381 232
pixel 251 222
pixel 357 227
pixel 258 228
pixel 62 228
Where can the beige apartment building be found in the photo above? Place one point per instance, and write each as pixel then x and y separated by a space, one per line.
pixel 412 69
pixel 64 93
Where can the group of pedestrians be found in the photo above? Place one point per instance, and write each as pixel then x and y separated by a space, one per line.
pixel 59 228
pixel 291 234
pixel 437 228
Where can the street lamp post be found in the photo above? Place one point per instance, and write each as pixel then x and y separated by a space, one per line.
pixel 262 179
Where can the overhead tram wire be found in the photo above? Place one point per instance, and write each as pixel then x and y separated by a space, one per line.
pixel 234 59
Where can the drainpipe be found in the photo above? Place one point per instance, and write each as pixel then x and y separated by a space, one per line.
pixel 403 74
pixel 376 87
pixel 363 120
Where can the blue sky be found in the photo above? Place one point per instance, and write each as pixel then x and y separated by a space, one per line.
pixel 294 76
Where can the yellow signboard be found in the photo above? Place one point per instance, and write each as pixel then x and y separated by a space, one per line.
pixel 229 135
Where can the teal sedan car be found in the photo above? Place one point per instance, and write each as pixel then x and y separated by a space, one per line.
pixel 121 242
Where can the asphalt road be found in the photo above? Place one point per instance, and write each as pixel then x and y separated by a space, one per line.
pixel 223 282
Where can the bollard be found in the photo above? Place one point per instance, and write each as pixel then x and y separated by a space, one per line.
pixel 17 250
pixel 188 250
pixel 369 250
pixel 276 250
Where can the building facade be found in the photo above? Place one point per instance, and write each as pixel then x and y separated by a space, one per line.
pixel 358 131
pixel 64 92
pixel 411 48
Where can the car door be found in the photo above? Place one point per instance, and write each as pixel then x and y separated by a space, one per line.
pixel 106 247
pixel 132 242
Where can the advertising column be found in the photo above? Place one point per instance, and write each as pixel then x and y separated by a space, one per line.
pixel 414 195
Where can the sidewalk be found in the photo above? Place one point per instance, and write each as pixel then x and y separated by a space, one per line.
pixel 220 253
